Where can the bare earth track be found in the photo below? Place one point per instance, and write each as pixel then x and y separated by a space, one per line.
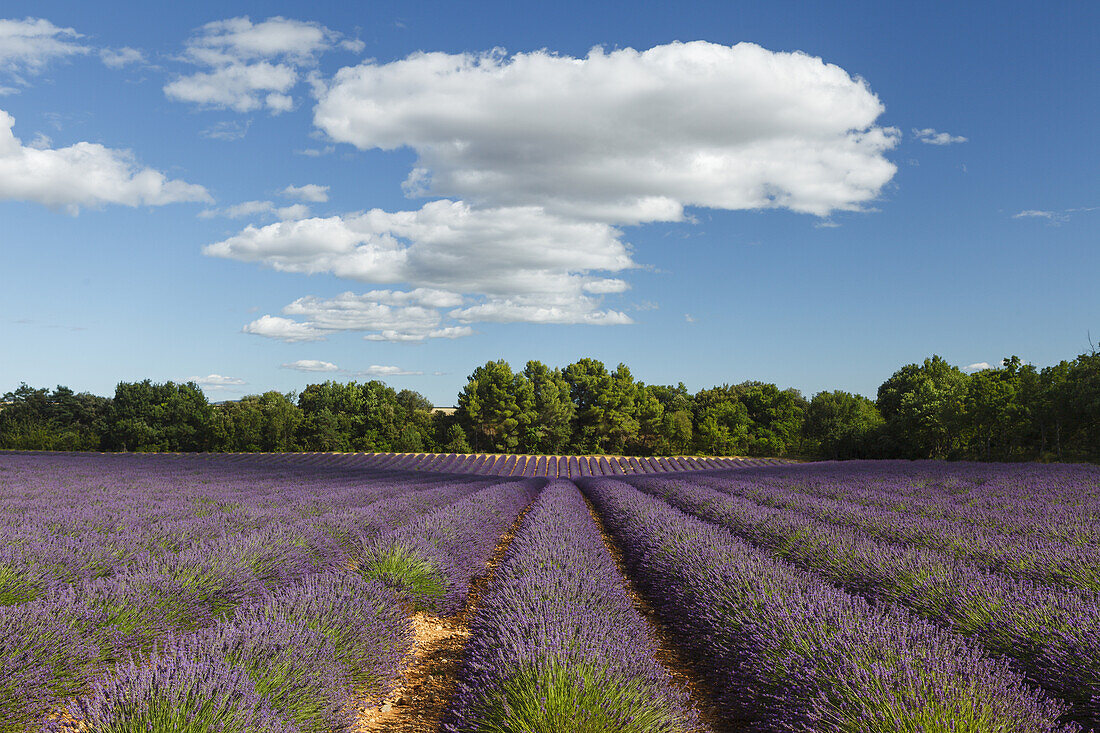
pixel 425 691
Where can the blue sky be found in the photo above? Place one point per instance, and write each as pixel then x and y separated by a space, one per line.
pixel 262 195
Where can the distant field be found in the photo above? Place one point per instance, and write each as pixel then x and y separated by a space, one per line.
pixel 495 464
pixel 420 592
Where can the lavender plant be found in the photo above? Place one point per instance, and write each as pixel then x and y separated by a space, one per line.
pixel 363 620
pixel 293 668
pixel 177 692
pixel 557 644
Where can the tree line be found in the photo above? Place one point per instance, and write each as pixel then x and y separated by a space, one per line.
pixel 930 410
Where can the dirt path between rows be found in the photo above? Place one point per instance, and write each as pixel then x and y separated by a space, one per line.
pixel 669 652
pixel 425 690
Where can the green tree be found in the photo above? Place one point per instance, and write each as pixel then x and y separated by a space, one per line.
pixel 160 417
pixel 840 426
pixel 923 406
pixel 722 422
pixel 551 428
pixel 497 407
pixel 775 418
pixel 37 419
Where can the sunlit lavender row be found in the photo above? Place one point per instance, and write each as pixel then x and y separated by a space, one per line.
pixel 1034 600
pixel 790 652
pixel 557 643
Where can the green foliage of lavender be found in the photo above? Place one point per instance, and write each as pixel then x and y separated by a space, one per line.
pixel 178 692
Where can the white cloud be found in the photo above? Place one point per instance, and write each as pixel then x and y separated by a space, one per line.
pixel 445 245
pixel 606 285
pixel 622 136
pixel 294 211
pixel 1038 214
pixel 228 130
pixel 931 137
pixel 312 365
pixel 977 366
pixel 309 192
pixel 283 329
pixel 511 264
pixel 217 381
pixel 542 309
pixel 251 66
pixel 247 208
pixel 1054 217
pixel 689 318
pixel 28 45
pixel 84 174
pixel 117 58
pixel 374 370
pixel 257 208
pixel 316 152
pixel 241 87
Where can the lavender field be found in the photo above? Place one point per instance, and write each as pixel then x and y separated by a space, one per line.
pixel 404 592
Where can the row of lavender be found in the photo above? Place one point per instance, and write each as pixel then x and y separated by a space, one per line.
pixel 1049 632
pixel 557 644
pixel 790 652
pixel 488 464
pixel 240 541
pixel 1036 522
pixel 1056 500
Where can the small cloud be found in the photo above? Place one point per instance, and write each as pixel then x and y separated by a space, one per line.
pixel 40 141
pixel 256 208
pixel 355 46
pixel 228 130
pixel 310 192
pixel 246 66
pixel 27 46
pixel 689 318
pixel 316 152
pixel 311 365
pixel 294 211
pixel 1039 214
pixel 826 224
pixel 374 370
pixel 931 137
pixel 117 58
pixel 440 374
pixel 248 208
pixel 1054 217
pixel 217 381
pixel 982 365
pixel 284 329
pixel 83 175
